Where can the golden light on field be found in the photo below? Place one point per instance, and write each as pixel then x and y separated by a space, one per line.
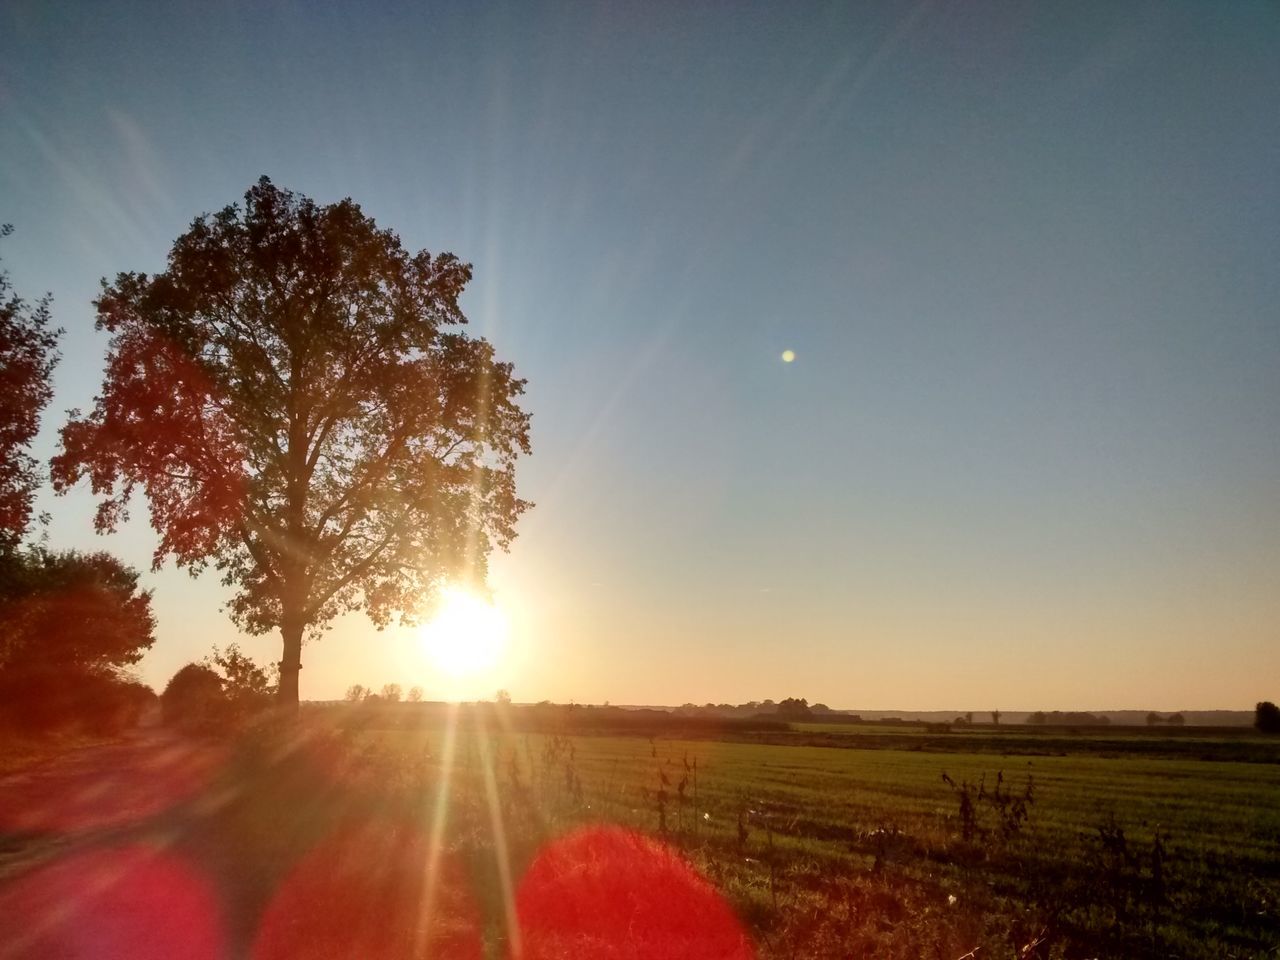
pixel 467 637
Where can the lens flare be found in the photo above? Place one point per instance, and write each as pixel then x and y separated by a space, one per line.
pixel 130 901
pixel 608 893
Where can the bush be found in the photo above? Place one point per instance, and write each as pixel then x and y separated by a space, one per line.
pixel 43 699
pixel 248 688
pixel 1266 717
pixel 194 699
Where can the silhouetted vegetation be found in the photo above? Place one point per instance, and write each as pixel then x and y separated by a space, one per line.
pixel 1070 718
pixel 28 354
pixel 248 688
pixel 1266 717
pixel 794 708
pixel 100 702
pixel 194 700
pixel 354 448
pixel 71 623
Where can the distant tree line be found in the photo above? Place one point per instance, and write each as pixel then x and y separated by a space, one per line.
pixel 391 693
pixel 1068 718
pixel 790 708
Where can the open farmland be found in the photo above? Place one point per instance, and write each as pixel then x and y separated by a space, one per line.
pixel 1111 850
pixel 854 848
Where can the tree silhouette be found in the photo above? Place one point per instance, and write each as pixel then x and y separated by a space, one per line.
pixel 294 398
pixel 194 698
pixel 794 708
pixel 28 354
pixel 70 625
pixel 1266 717
pixel 63 610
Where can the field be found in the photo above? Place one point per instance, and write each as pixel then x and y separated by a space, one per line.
pixel 830 850
pixel 1125 846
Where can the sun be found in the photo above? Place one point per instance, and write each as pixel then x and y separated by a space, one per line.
pixel 467 636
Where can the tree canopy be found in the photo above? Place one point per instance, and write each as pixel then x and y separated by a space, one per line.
pixel 70 625
pixel 296 400
pixel 63 610
pixel 28 354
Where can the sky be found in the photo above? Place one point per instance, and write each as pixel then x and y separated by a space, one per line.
pixel 1026 257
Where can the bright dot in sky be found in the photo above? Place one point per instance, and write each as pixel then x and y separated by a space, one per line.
pixel 788 356
pixel 467 636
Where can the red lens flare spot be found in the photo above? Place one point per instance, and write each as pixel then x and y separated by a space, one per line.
pixel 129 901
pixel 605 892
pixel 369 892
pixel 107 786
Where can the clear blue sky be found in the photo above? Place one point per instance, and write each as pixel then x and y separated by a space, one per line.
pixel 1027 256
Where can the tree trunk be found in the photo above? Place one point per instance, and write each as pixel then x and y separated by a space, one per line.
pixel 290 664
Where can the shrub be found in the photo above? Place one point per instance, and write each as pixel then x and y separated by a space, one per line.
pixel 248 688
pixel 1266 717
pixel 194 699
pixel 42 699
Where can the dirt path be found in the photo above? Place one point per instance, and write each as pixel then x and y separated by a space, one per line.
pixel 96 793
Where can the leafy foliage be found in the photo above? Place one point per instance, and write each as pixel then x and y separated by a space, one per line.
pixel 70 624
pixel 69 609
pixel 28 354
pixel 248 687
pixel 295 401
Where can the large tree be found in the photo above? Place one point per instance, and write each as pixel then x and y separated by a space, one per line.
pixel 28 353
pixel 295 398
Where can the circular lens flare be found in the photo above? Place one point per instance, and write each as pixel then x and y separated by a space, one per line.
pixel 610 894
pixel 467 636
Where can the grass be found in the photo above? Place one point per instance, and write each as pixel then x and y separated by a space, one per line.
pixel 1122 854
pixel 854 846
